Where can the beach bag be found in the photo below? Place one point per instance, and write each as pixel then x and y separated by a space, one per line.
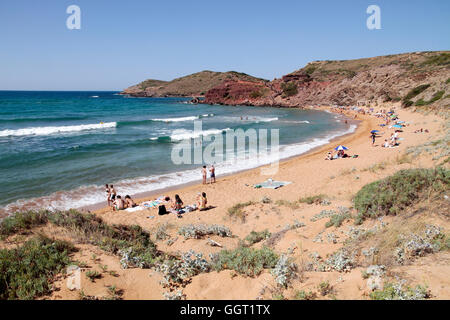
pixel 162 210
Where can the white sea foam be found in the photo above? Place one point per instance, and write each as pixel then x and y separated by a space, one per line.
pixel 248 119
pixel 182 134
pixel 89 195
pixel 42 131
pixel 181 119
pixel 295 121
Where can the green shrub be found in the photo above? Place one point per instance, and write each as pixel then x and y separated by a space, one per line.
pixel 448 81
pixel 290 204
pixel 416 91
pixel 255 237
pixel 21 221
pixel 289 89
pixel 27 272
pixel 247 261
pixel 313 199
pixel 395 291
pixel 256 94
pixel 303 295
pixel 324 288
pixel 407 103
pixel 420 103
pixel 309 70
pixel 237 211
pixel 337 219
pixel 439 60
pixel 131 243
pixel 391 195
pixel 93 274
pixel 437 96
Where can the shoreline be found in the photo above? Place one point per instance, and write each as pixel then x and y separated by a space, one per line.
pixel 145 195
pixel 100 208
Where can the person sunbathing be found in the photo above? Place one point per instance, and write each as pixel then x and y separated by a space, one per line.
pixel 118 204
pixel 129 203
pixel 203 202
pixel 329 156
pixel 178 204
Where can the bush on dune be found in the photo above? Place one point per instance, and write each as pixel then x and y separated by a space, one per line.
pixel 131 243
pixel 391 195
pixel 246 261
pixel 22 221
pixel 26 272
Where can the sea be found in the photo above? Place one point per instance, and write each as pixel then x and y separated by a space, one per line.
pixel 59 149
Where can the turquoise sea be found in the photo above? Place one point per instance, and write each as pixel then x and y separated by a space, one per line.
pixel 58 149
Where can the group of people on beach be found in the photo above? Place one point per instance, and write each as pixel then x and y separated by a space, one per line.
pixel 388 117
pixel 212 174
pixel 164 203
pixel 115 201
pixel 338 155
pixel 167 205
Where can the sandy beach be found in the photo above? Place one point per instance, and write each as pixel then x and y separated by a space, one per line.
pixel 310 175
pixel 338 180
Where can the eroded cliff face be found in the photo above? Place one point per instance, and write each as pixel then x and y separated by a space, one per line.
pixel 371 80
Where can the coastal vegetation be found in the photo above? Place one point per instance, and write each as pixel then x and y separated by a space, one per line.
pixel 246 261
pixel 391 195
pixel 289 89
pixel 237 211
pixel 255 237
pixel 28 271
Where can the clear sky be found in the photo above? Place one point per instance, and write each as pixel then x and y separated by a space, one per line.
pixel 121 43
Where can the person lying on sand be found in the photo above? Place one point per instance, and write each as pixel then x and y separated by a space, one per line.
pixel 329 156
pixel 129 203
pixel 119 204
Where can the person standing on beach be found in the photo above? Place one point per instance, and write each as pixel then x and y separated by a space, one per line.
pixel 204 174
pixel 373 136
pixel 112 192
pixel 212 172
pixel 108 195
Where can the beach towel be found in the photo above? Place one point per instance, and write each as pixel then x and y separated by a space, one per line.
pixel 151 204
pixel 271 184
pixel 190 208
pixel 138 208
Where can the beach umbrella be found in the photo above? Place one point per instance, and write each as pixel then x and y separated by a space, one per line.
pixel 339 148
pixel 397 126
pixel 374 131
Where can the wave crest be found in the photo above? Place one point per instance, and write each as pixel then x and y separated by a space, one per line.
pixel 43 131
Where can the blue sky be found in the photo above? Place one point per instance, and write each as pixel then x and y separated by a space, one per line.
pixel 124 42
